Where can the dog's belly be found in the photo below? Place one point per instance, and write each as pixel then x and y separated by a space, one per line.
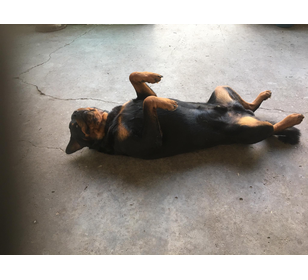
pixel 189 129
pixel 192 126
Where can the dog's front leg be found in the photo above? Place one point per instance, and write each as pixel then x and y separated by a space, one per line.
pixel 152 134
pixel 139 80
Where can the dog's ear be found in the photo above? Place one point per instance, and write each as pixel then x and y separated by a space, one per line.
pixel 73 146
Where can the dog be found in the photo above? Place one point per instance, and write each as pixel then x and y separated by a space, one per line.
pixel 151 127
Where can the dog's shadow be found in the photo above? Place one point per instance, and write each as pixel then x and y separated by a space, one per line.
pixel 133 171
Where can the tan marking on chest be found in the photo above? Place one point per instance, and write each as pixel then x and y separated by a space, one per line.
pixel 123 133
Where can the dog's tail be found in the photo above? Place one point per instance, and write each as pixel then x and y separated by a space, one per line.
pixel 289 136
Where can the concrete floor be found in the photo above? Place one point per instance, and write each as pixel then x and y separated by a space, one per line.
pixel 224 200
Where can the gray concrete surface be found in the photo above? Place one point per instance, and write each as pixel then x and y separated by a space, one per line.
pixel 225 200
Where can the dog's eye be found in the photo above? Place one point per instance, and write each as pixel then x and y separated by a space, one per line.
pixel 76 125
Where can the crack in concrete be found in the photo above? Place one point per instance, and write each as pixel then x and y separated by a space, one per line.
pixel 280 110
pixel 67 44
pixel 273 109
pixel 96 99
pixel 58 98
pixel 66 99
pixel 118 103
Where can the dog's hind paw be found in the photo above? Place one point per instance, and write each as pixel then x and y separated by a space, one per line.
pixel 298 118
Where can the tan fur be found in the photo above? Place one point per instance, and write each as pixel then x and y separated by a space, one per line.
pixel 96 128
pixel 123 133
pixel 160 102
pixel 139 80
pixel 287 122
pixel 222 95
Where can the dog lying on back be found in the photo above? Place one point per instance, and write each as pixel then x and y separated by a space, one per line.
pixel 151 127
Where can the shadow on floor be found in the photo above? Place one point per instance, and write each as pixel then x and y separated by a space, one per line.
pixel 246 158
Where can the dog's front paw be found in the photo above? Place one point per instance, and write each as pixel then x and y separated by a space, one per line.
pixel 144 77
pixel 152 78
pixel 166 104
pixel 172 105
pixel 266 94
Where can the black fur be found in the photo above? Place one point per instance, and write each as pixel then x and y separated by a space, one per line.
pixel 190 127
pixel 289 136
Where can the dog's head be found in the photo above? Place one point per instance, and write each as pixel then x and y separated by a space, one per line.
pixel 87 126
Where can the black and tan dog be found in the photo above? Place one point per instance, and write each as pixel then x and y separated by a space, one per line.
pixel 152 127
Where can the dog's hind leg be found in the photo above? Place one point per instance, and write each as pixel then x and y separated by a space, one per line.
pixel 253 106
pixel 249 130
pixel 139 80
pixel 224 95
pixel 287 122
